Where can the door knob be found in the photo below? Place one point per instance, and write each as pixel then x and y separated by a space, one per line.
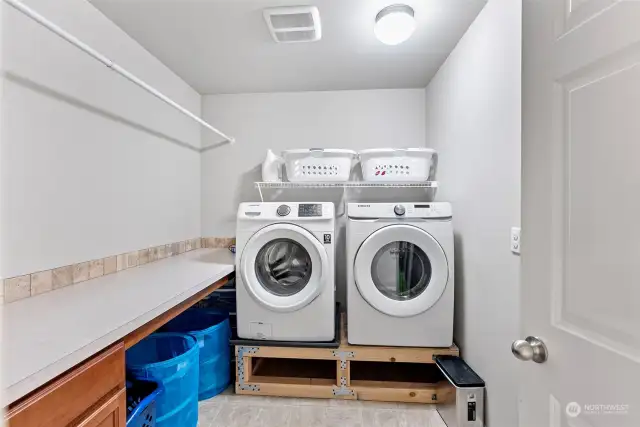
pixel 531 348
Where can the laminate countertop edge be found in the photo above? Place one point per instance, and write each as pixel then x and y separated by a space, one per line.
pixel 44 336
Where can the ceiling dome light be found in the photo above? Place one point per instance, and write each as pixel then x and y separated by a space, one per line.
pixel 395 24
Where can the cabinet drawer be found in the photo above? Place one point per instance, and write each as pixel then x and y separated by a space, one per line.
pixel 113 413
pixel 68 397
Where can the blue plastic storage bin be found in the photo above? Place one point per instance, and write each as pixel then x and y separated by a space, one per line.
pixel 172 361
pixel 141 402
pixel 212 330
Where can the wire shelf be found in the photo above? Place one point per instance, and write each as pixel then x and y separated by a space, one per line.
pixel 348 184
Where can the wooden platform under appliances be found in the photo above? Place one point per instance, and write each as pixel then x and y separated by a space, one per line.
pixel 391 374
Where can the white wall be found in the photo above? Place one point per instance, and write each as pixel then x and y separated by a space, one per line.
pixel 2 290
pixel 91 165
pixel 280 121
pixel 473 119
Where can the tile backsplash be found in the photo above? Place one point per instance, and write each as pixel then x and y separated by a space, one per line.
pixel 17 288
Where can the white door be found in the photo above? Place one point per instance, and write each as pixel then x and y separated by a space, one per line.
pixel 401 270
pixel 581 212
pixel 284 267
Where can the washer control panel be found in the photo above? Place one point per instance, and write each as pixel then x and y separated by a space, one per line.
pixel 283 210
pixel 288 211
pixel 309 209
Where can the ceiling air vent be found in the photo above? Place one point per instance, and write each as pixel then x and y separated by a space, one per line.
pixel 294 24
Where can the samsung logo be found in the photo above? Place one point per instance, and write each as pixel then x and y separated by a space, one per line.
pixel 364 206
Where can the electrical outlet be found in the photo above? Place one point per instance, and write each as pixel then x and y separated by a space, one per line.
pixel 515 240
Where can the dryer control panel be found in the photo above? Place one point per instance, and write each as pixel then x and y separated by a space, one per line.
pixel 427 210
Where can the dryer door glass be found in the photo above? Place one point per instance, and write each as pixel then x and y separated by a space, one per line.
pixel 283 267
pixel 401 270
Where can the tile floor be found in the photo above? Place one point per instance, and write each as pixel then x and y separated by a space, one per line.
pixel 230 410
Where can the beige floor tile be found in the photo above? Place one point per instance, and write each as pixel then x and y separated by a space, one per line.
pixel 236 416
pixel 345 417
pixel 343 403
pixel 301 401
pixel 215 400
pixel 241 399
pixel 384 418
pixel 308 416
pixel 370 404
pixel 273 416
pixel 422 418
pixel 360 404
pixel 417 406
pixel 207 413
pixel 231 410
pixel 401 418
pixel 230 390
pixel 436 420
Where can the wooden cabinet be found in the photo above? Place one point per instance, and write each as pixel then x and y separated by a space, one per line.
pixel 92 394
pixel 112 413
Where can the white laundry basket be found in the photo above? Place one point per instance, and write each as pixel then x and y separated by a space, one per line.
pixel 397 164
pixel 318 164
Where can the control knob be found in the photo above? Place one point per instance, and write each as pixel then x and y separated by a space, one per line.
pixel 283 210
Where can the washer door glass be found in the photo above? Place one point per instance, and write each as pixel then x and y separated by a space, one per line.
pixel 401 270
pixel 283 267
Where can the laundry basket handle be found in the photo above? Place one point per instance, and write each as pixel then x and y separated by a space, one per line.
pixel 316 152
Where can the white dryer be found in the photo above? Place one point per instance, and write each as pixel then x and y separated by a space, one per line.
pixel 285 277
pixel 400 274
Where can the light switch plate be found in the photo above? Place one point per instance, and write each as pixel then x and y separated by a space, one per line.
pixel 515 240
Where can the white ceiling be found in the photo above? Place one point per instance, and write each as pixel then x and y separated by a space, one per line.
pixel 224 46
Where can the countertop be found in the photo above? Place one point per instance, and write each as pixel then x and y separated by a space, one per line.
pixel 46 335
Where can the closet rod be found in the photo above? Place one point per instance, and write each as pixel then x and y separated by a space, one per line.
pixel 18 5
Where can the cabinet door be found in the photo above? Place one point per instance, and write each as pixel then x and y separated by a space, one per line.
pixel 112 413
pixel 70 396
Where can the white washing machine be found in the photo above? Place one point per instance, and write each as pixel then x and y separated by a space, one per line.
pixel 285 274
pixel 400 274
